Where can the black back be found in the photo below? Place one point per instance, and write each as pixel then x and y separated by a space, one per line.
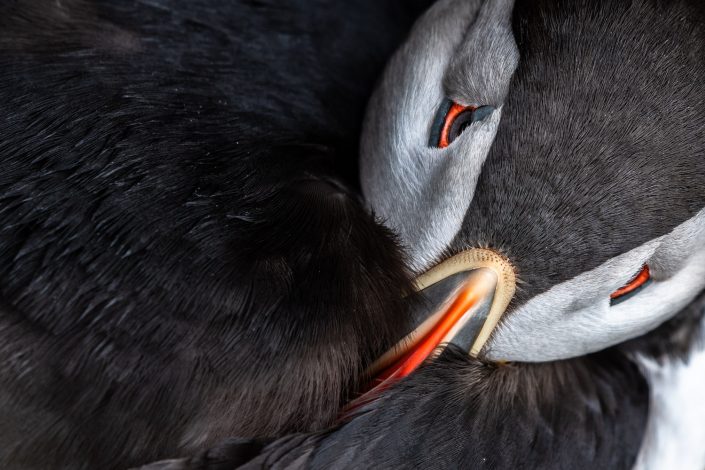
pixel 456 412
pixel 601 148
pixel 180 256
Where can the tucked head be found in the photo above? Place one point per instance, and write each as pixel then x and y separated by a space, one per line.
pixel 566 137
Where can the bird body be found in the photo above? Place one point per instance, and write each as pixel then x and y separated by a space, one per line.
pixel 566 140
pixel 183 253
pixel 586 177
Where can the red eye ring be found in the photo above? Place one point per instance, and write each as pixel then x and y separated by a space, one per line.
pixel 639 281
pixel 452 119
pixel 453 113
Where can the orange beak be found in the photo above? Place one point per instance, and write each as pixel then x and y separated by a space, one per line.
pixel 462 301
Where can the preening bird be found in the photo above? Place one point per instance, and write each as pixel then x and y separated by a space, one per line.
pixel 543 163
pixel 183 253
pixel 566 140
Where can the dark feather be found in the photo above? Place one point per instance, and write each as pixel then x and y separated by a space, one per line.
pixel 458 412
pixel 183 255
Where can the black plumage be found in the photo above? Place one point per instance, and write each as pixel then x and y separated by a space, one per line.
pixel 600 147
pixel 599 150
pixel 183 254
pixel 183 257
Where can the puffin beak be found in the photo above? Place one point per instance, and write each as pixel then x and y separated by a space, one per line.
pixel 460 302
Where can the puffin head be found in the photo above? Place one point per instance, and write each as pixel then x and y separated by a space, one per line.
pixel 544 168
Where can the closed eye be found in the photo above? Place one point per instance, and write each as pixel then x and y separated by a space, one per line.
pixel 452 119
pixel 639 282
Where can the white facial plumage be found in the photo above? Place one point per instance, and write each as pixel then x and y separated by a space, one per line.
pixel 420 191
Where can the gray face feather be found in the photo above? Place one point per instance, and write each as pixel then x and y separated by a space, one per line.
pixel 424 192
pixel 595 167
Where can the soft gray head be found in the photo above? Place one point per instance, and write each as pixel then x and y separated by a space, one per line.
pixel 591 165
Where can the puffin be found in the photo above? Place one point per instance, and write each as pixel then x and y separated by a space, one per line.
pixel 563 155
pixel 184 253
pixel 542 163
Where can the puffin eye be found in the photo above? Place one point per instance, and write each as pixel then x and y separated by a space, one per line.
pixel 452 119
pixel 641 280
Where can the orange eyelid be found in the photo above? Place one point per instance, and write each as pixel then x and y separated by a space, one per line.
pixel 453 113
pixel 640 279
